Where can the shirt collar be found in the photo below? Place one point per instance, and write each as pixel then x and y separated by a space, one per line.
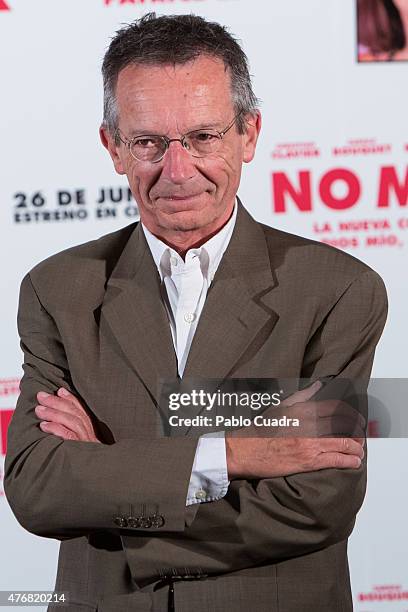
pixel 210 253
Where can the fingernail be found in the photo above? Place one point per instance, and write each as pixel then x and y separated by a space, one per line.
pixel 43 395
pixel 39 408
pixel 63 391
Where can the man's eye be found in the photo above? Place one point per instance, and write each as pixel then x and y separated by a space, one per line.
pixel 145 143
pixel 204 137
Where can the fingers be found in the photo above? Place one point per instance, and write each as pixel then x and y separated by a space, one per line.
pixel 339 453
pixel 64 401
pixel 65 410
pixel 346 446
pixel 69 421
pixel 337 460
pixel 360 441
pixel 304 395
pixel 324 418
pixel 58 430
pixel 69 397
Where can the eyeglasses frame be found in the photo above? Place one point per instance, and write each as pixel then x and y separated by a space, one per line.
pixel 129 142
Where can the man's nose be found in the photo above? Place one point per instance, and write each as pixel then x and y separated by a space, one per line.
pixel 178 164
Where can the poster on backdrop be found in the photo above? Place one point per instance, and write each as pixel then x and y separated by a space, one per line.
pixel 331 165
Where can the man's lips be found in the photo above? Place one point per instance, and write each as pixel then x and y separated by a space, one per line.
pixel 179 197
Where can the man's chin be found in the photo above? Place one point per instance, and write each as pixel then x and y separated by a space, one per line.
pixel 175 206
pixel 183 222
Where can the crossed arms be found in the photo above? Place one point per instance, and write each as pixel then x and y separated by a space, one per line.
pixel 296 496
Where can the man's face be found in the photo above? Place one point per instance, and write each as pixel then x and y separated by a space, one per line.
pixel 181 194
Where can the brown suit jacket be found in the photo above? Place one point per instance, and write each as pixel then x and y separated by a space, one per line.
pixel 91 318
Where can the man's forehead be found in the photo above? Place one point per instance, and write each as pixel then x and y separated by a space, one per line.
pixel 203 71
pixel 199 90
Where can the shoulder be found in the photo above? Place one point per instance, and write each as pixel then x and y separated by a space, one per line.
pixel 81 269
pixel 316 266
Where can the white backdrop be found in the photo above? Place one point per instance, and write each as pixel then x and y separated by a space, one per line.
pixel 331 165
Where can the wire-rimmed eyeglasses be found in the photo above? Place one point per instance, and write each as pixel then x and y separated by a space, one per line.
pixel 152 147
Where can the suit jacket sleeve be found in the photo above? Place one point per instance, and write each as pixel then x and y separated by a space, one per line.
pixel 289 516
pixel 64 489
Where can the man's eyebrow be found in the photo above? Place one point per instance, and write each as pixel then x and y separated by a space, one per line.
pixel 211 125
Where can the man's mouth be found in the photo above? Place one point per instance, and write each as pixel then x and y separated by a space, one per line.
pixel 180 197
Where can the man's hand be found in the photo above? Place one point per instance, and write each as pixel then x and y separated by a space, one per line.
pixel 255 458
pixel 62 415
pixel 251 456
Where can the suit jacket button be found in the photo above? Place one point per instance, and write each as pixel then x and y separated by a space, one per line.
pixel 120 521
pixel 157 520
pixel 133 522
pixel 145 522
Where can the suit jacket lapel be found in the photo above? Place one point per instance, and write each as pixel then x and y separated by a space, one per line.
pixel 235 316
pixel 134 316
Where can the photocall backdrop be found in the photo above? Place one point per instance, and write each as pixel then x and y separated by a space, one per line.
pixel 331 165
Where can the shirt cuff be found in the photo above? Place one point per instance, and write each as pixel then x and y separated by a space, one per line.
pixel 209 476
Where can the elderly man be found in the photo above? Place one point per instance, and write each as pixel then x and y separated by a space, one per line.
pixel 196 289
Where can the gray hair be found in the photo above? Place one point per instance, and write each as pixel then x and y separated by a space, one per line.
pixel 176 39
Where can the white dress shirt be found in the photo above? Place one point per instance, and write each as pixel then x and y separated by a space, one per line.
pixel 185 284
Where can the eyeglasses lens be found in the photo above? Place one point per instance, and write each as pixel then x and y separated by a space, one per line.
pixel 198 143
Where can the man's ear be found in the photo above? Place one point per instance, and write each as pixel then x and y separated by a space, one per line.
pixel 250 138
pixel 114 150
